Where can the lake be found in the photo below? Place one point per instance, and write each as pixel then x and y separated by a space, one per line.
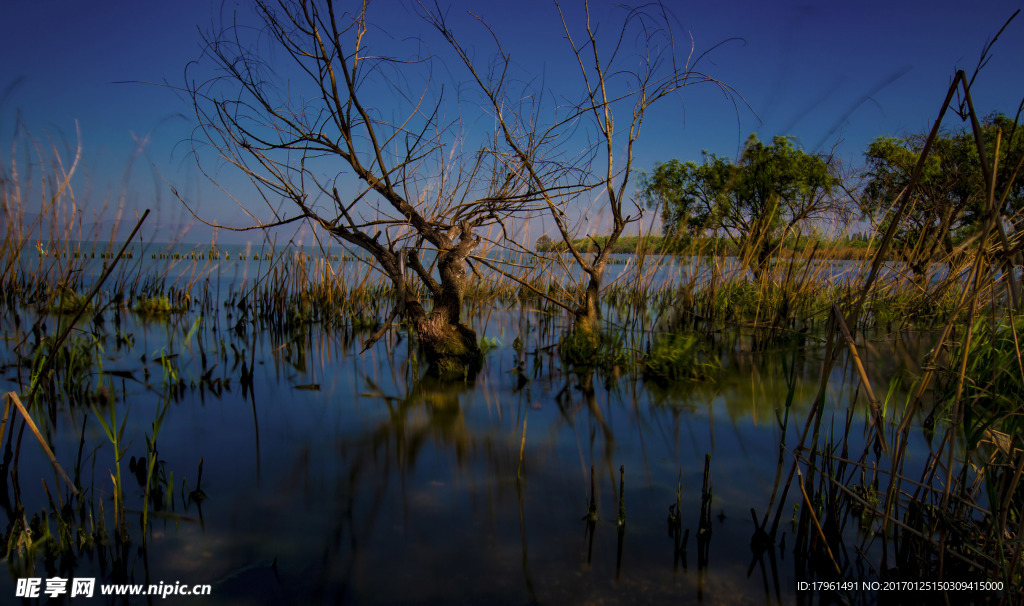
pixel 336 475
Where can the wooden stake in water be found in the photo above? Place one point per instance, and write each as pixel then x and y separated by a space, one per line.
pixel 591 516
pixel 622 496
pixel 621 521
pixel 705 499
pixel 591 519
pixel 522 447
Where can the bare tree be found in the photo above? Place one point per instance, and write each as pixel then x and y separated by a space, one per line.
pixel 378 152
pixel 368 147
pixel 576 151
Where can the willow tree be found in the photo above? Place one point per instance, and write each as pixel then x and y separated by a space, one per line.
pixel 341 125
pixel 951 197
pixel 756 201
pixel 572 142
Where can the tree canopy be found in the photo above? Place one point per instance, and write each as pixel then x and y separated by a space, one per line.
pixel 951 197
pixel 755 200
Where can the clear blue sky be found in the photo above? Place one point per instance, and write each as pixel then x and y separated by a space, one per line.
pixel 824 72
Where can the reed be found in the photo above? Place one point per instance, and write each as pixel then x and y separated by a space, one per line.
pixel 666 319
pixel 57 276
pixel 957 515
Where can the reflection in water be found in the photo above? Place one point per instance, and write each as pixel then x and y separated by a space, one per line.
pixel 333 476
pixel 430 498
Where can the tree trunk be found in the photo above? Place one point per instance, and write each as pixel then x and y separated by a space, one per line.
pixel 581 346
pixel 588 316
pixel 450 346
pixel 764 255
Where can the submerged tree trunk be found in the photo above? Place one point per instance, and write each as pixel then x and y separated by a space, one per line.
pixel 581 346
pixel 587 318
pixel 450 346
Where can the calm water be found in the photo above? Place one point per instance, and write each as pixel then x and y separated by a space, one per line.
pixel 343 477
pixel 234 265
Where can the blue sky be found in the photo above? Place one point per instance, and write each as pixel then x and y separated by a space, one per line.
pixel 828 73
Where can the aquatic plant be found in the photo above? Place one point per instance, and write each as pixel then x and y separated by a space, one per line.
pixel 69 302
pixel 585 350
pixel 489 344
pixel 153 306
pixel 115 435
pixel 990 356
pixel 932 520
pixel 680 357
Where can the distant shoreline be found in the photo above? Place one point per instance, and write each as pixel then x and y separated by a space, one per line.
pixel 848 249
pixel 628 246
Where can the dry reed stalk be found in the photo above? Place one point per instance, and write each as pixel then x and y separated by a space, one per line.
pixel 809 508
pixel 876 411
pixel 13 397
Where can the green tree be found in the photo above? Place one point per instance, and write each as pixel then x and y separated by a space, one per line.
pixel 756 201
pixel 950 199
pixel 674 188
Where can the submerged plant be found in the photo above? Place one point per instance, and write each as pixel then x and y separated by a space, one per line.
pixel 69 302
pixel 153 306
pixel 489 344
pixel 72 371
pixel 115 435
pixel 680 357
pixel 583 349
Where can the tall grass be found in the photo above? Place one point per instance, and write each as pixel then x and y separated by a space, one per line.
pixel 957 516
pixel 60 288
pixel 667 318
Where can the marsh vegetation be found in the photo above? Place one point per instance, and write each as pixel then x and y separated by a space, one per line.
pixel 421 402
